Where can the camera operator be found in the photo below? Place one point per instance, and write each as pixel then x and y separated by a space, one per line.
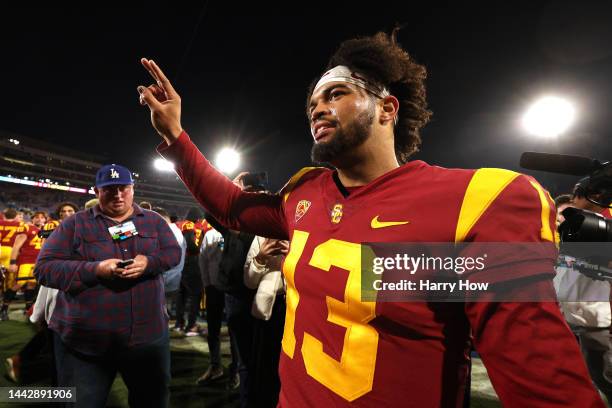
pixel 582 298
pixel 582 193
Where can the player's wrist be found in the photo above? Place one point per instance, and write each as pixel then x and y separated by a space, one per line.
pixel 13 262
pixel 172 134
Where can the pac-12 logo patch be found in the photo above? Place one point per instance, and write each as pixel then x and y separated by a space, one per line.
pixel 301 209
pixel 336 214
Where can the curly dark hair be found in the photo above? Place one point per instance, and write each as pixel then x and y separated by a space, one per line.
pixel 383 60
pixel 64 204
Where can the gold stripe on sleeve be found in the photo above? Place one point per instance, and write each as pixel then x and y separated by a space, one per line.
pixel 485 186
pixel 293 181
pixel 546 233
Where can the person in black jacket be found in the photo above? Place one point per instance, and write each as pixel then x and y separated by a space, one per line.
pixel 190 290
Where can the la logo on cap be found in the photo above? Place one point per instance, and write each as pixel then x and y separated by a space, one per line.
pixel 113 173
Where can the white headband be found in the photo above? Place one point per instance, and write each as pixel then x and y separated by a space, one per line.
pixel 342 73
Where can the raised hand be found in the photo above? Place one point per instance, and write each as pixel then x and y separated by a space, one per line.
pixel 163 101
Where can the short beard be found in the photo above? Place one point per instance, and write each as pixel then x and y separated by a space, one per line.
pixel 344 141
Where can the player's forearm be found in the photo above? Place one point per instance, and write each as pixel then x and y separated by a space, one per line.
pixel 14 255
pixel 16 248
pixel 249 212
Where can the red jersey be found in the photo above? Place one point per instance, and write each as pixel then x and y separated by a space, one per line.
pixel 338 351
pixel 201 227
pixel 9 229
pixel 31 248
pixel 185 225
pixel 189 226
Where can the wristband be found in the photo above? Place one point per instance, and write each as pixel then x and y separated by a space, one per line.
pixel 13 262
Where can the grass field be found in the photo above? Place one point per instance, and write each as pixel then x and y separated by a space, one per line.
pixel 189 361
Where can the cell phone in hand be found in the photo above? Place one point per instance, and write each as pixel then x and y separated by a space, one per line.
pixel 255 181
pixel 123 264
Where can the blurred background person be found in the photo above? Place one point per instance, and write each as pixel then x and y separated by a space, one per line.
pixel 10 227
pixel 66 209
pixel 190 288
pixel 262 271
pixel 23 257
pixel 210 257
pixel 584 301
pixel 91 203
pixel 17 364
pixel 172 277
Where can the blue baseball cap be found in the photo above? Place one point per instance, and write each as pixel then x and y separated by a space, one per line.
pixel 113 174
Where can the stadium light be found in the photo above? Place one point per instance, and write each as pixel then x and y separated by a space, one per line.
pixel 227 160
pixel 163 165
pixel 549 116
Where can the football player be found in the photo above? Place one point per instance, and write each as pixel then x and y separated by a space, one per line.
pixel 23 256
pixel 10 227
pixel 365 113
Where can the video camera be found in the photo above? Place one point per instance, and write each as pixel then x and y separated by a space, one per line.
pixel 582 226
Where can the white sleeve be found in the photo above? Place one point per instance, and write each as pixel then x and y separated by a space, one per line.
pixel 210 256
pixel 253 271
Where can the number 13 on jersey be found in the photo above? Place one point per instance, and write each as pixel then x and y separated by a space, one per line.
pixel 353 375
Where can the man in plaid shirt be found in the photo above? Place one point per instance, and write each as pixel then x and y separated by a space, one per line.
pixel 110 317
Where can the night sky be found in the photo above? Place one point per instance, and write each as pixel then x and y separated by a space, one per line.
pixel 69 76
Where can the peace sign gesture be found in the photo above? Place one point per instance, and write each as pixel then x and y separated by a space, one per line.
pixel 163 101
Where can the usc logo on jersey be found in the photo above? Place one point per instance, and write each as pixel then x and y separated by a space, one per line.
pixel 336 214
pixel 301 209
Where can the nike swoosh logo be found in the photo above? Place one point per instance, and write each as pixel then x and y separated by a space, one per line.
pixel 382 224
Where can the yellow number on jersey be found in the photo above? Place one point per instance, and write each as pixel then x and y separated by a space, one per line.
pixel 11 231
pixel 36 242
pixel 353 375
pixel 198 236
pixel 546 232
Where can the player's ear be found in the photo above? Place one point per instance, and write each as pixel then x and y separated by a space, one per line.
pixel 390 109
